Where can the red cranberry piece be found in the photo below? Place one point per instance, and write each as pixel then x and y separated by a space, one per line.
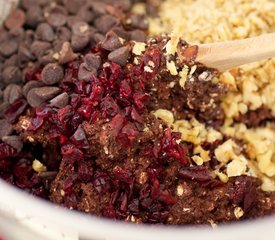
pixel 79 138
pixel 6 151
pixel 116 124
pixel 85 111
pixel 64 117
pixel 166 197
pixel 85 172
pixel 33 75
pixel 69 183
pixel 109 106
pixel 125 90
pixel 170 146
pixel 124 175
pixel 244 193
pixel 36 123
pixel 96 94
pixel 61 138
pixel 136 116
pixel 139 99
pixel 196 173
pixel 109 211
pixel 129 130
pixel 102 183
pixel 15 110
pixel 71 153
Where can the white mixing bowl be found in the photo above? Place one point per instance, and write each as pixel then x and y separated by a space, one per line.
pixel 24 217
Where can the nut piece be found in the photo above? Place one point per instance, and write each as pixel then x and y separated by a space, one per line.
pixel 38 166
pixel 171 66
pixel 164 115
pixel 238 212
pixel 180 190
pixel 139 48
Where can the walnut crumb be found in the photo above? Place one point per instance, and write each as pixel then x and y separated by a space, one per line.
pixel 38 166
pixel 180 190
pixel 238 212
pixel 143 177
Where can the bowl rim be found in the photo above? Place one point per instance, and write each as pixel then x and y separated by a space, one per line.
pixel 13 199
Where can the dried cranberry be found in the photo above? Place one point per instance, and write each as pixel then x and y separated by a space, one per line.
pixel 201 175
pixel 124 175
pixel 85 111
pixel 109 106
pixel 15 110
pixel 69 183
pixel 6 151
pixel 125 90
pixel 171 148
pixel 71 153
pixel 101 183
pixel 244 192
pixel 109 211
pixel 79 138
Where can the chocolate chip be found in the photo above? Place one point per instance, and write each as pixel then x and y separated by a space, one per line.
pixel 11 93
pixel 80 28
pixel 17 33
pixel 99 7
pixel 37 96
pixel 34 16
pixel 105 23
pixel 6 128
pixel 85 73
pixel 92 61
pixel 73 5
pixel 13 141
pixel 111 41
pixel 79 42
pixel 72 19
pixel 3 108
pixel 11 61
pixel 121 33
pixel 63 34
pixel 66 54
pixel 60 101
pixel 8 47
pixel 47 58
pixel 29 37
pixel 138 36
pixel 15 19
pixel 45 32
pixel 12 74
pixel 98 37
pixel 86 14
pixel 24 55
pixel 52 73
pixel 3 34
pixel 125 5
pixel 81 36
pixel 56 19
pixel 119 56
pixel 30 85
pixel 138 21
pixel 38 48
pixel 26 4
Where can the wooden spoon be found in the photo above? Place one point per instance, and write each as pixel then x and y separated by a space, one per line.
pixel 226 55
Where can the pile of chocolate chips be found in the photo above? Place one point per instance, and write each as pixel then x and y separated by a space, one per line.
pixel 77 105
pixel 42 34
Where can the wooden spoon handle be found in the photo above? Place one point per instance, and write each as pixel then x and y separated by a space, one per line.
pixel 226 55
